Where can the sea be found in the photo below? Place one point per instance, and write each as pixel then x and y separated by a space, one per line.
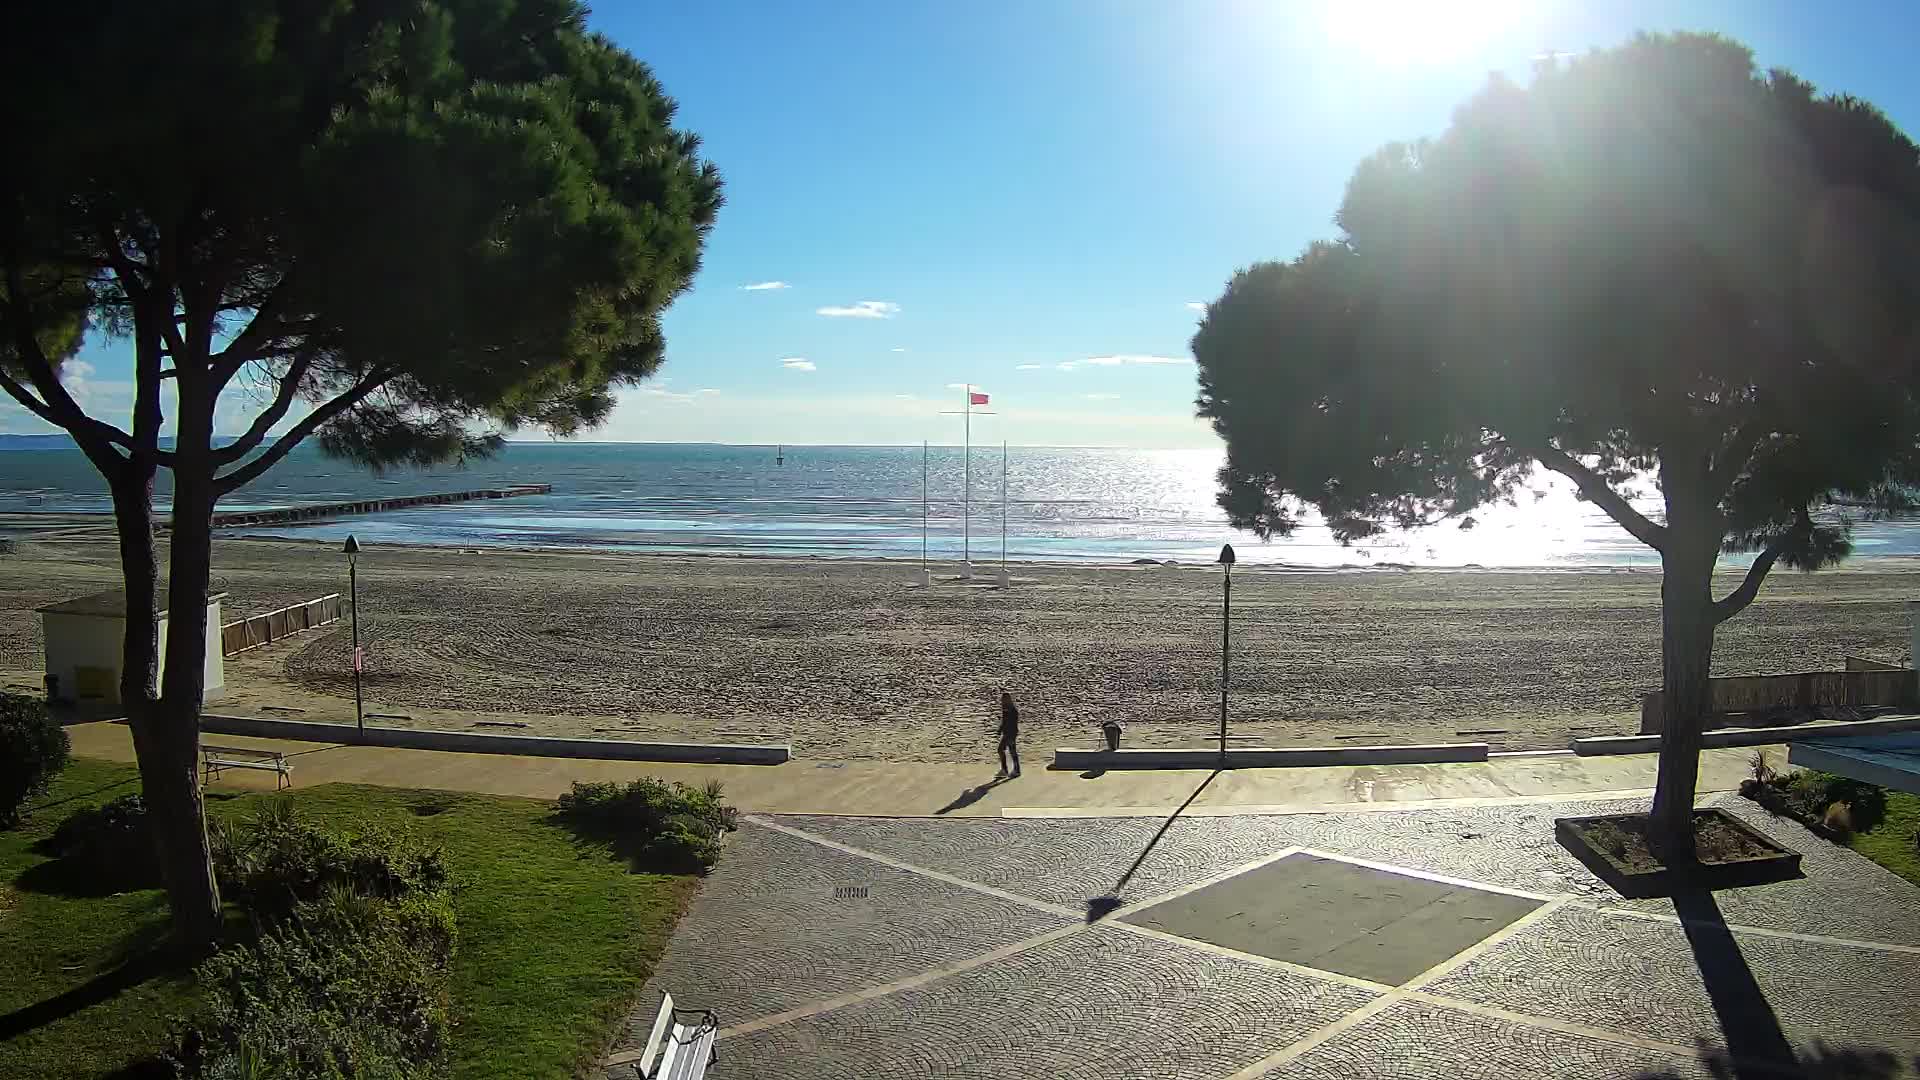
pixel 1073 505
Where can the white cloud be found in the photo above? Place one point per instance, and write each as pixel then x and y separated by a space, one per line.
pixel 763 286
pixel 1130 358
pixel 1196 305
pixel 661 393
pixel 798 363
pixel 906 397
pixel 1029 367
pixel 861 309
pixel 706 390
pixel 1101 397
pixel 898 348
pixel 1066 365
pixel 77 369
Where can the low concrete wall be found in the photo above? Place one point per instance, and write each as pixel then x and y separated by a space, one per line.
pixel 474 743
pixel 1861 663
pixel 1245 757
pixel 1649 744
pixel 1745 693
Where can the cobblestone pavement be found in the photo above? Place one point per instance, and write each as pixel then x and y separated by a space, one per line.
pixel 968 955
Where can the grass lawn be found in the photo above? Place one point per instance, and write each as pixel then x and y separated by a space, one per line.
pixel 555 934
pixel 1891 843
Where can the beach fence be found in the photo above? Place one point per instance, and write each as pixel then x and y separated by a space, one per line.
pixel 258 630
pixel 1887 685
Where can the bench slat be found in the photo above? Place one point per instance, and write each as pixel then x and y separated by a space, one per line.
pixel 692 1065
pixel 660 1025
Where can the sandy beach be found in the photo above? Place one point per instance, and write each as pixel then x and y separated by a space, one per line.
pixel 848 661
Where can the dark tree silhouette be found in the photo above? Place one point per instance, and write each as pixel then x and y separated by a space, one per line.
pixel 399 226
pixel 1651 264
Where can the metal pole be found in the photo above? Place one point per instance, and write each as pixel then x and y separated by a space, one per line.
pixel 353 590
pixel 923 504
pixel 966 488
pixel 1226 642
pixel 1003 508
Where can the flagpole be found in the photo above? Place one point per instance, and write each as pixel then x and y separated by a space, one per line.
pixel 923 507
pixel 966 490
pixel 1004 580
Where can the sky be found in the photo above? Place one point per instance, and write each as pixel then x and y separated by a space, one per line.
pixel 1034 197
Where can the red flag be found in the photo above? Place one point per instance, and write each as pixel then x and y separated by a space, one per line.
pixel 976 399
pixel 359 659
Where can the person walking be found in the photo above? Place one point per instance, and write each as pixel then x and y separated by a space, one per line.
pixel 1009 736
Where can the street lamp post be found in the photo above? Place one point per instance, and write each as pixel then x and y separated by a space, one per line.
pixel 352 549
pixel 1226 638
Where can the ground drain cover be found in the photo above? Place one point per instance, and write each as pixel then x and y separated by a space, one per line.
pixel 852 892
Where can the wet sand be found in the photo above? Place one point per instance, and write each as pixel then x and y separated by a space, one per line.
pixel 850 661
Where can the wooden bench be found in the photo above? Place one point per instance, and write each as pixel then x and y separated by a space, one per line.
pixel 215 759
pixel 678 1050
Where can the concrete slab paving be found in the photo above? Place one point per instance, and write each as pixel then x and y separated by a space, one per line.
pixel 1338 916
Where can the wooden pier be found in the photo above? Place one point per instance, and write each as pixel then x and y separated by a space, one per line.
pixel 370 506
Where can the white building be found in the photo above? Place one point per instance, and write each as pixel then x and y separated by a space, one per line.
pixel 85 639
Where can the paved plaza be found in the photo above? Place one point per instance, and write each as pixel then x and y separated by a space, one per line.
pixel 1420 943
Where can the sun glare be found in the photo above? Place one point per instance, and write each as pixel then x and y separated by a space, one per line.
pixel 1415 32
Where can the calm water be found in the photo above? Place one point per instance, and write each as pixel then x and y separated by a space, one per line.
pixel 1064 504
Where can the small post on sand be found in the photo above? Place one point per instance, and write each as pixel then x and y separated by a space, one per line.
pixel 1226 638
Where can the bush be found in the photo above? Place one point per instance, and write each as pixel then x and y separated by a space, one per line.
pixel 659 825
pixel 111 847
pixel 349 974
pixel 1811 793
pixel 277 861
pixel 33 750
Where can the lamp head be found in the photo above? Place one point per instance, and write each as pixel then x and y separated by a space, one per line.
pixel 352 546
pixel 1226 554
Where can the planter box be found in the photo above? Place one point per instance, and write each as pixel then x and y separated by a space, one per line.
pixel 1779 865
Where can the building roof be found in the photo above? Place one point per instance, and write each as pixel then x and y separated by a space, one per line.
pixel 111 604
pixel 1890 761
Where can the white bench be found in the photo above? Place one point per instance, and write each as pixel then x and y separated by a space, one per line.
pixel 215 759
pixel 676 1050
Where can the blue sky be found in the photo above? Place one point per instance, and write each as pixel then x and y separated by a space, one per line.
pixel 1017 194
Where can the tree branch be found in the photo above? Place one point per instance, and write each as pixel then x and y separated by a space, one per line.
pixel 247 346
pixel 1601 494
pixel 274 413
pixel 1763 564
pixel 312 422
pixel 56 406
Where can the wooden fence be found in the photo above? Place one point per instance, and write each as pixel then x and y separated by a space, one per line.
pixel 251 633
pixel 1751 693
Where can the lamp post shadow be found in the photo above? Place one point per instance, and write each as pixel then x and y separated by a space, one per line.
pixel 1099 907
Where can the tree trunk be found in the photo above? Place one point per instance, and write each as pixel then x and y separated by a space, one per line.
pixel 179 811
pixel 1686 660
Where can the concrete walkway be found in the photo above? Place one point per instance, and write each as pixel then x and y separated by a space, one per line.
pixel 874 788
pixel 1421 943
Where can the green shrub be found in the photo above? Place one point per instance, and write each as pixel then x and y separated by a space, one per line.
pixel 110 848
pixel 659 825
pixel 344 986
pixel 33 750
pixel 277 861
pixel 349 974
pixel 1810 793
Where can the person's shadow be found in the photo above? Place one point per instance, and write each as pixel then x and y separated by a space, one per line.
pixel 972 795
